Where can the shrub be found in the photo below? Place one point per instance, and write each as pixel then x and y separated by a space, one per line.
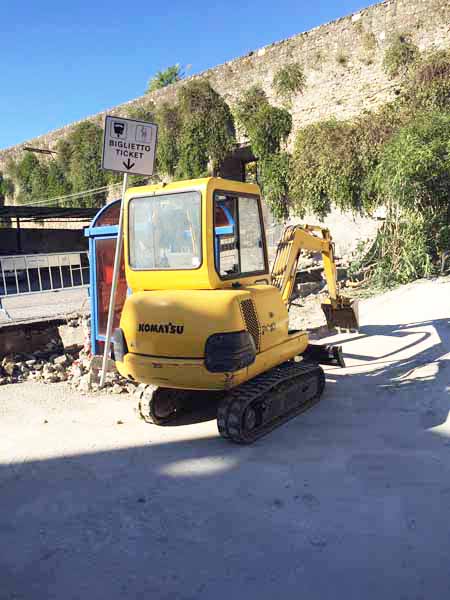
pixel 289 80
pixel 399 55
pixel 166 77
pixel 326 168
pixel 342 58
pixel 428 83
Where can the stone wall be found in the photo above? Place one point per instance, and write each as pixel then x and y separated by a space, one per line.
pixel 342 61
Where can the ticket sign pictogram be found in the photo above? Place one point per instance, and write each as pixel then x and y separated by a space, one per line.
pixel 129 146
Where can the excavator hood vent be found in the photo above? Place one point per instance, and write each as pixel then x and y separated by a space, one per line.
pixel 251 321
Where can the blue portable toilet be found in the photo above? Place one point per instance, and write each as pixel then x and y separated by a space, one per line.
pixel 102 234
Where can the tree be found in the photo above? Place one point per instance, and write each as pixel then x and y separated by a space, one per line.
pixel 164 78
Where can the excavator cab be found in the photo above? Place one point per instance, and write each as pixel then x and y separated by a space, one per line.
pixel 206 314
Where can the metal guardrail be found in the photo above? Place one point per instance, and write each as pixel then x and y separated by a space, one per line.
pixel 36 273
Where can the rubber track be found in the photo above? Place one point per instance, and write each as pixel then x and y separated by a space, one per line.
pixel 233 406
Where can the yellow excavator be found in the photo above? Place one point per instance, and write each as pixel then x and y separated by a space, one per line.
pixel 204 312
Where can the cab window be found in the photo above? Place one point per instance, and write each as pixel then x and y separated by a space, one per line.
pixel 238 239
pixel 165 231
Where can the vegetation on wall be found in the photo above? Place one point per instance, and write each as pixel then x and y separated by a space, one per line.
pixel 84 149
pixel 267 128
pixel 167 154
pixel 326 168
pixel 74 168
pixel 6 188
pixel 288 81
pixel 400 54
pixel 166 77
pixel 398 158
pixel 427 84
pixel 342 58
pixel 207 129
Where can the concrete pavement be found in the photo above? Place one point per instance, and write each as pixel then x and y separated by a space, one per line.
pixel 350 500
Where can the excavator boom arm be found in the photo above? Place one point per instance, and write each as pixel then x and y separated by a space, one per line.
pixel 339 311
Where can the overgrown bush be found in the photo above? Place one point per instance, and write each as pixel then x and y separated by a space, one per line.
pixel 267 128
pixel 412 179
pixel 400 253
pixel 326 169
pixel 166 77
pixel 274 173
pixel 207 129
pixel 428 83
pixel 288 81
pixel 84 148
pixel 74 168
pixel 169 128
pixel 6 188
pixel 399 55
pixel 144 112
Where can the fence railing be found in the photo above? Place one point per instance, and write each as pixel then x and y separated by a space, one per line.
pixel 35 273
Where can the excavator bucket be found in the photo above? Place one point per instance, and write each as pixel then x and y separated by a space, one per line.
pixel 343 317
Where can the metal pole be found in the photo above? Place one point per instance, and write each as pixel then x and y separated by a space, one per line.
pixel 112 297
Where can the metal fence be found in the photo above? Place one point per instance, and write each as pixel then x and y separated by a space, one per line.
pixel 35 273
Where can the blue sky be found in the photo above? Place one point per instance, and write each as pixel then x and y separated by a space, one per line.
pixel 61 61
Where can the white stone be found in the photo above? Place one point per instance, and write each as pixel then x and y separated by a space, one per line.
pixel 61 360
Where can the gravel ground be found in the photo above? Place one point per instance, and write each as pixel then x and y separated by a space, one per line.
pixel 350 500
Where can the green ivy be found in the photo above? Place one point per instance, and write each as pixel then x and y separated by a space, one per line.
pixel 169 128
pixel 207 129
pixel 274 173
pixel 267 128
pixel 84 173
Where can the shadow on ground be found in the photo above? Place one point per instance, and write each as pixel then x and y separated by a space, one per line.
pixel 347 501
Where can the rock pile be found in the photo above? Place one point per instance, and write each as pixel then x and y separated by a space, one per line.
pixel 60 361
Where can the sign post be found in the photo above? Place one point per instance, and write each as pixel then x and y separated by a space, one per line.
pixel 129 146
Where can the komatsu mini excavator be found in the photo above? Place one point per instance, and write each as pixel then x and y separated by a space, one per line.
pixel 205 313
